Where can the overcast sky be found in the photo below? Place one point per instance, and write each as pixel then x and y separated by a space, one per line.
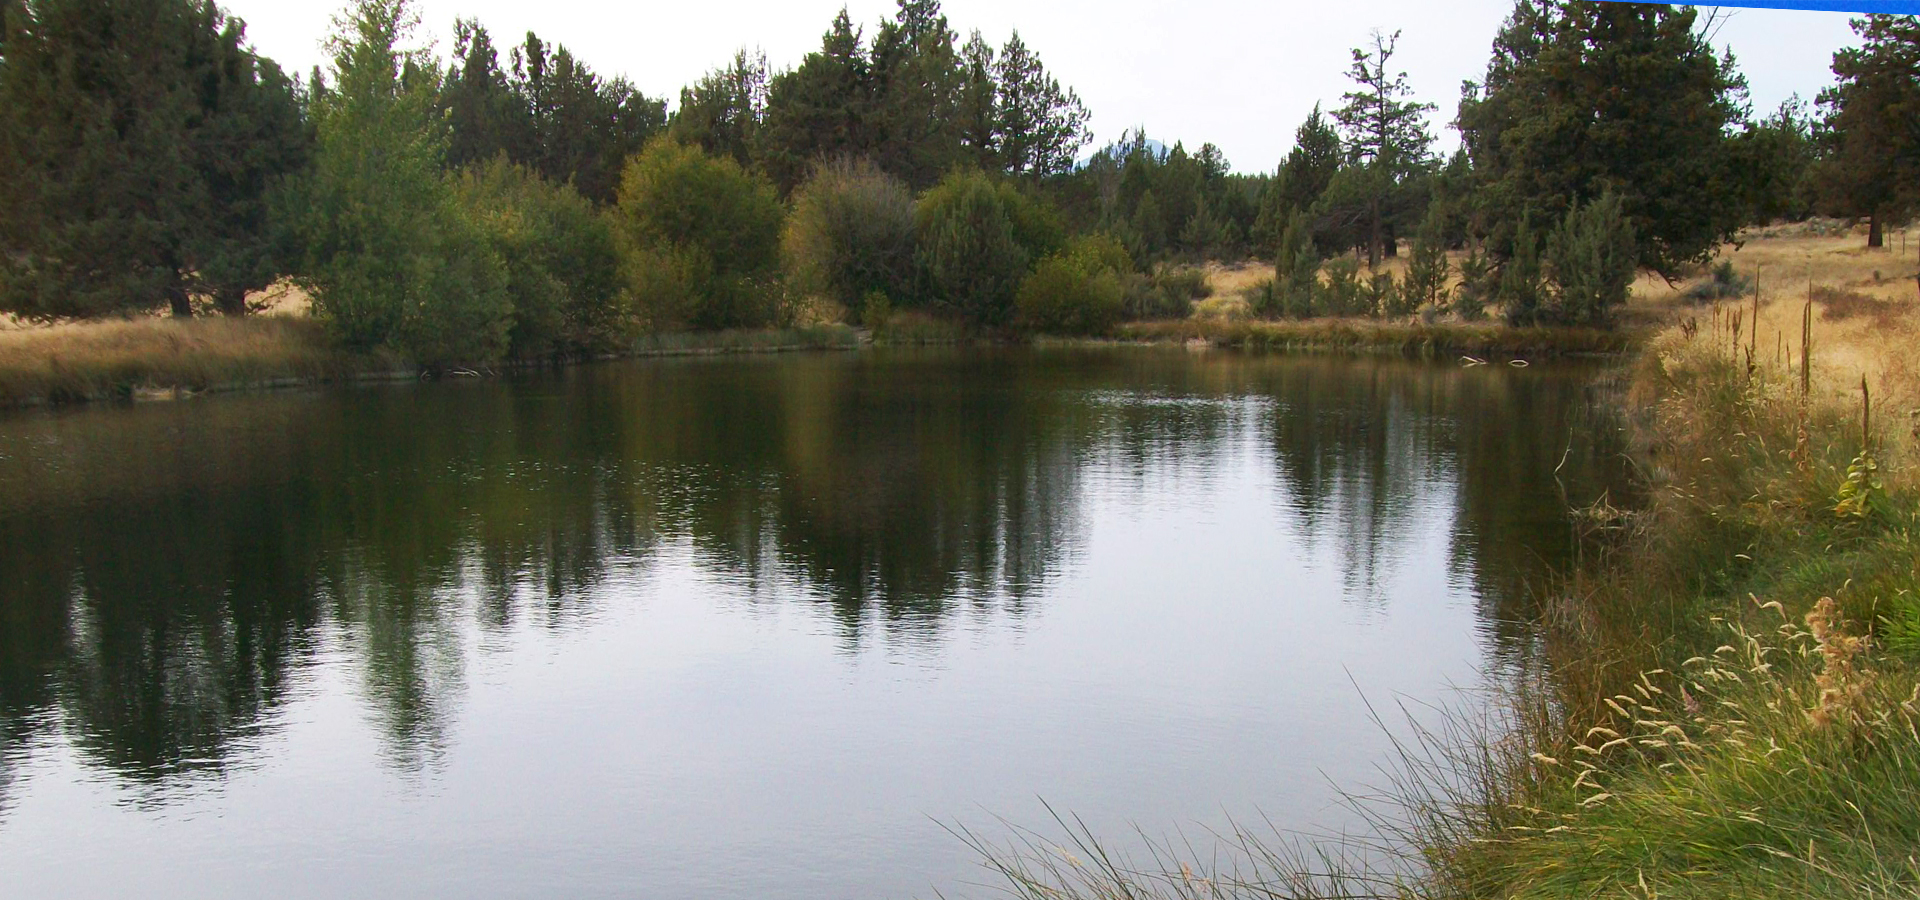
pixel 1239 74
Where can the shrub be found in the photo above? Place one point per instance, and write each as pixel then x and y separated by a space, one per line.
pixel 851 234
pixel 1522 280
pixel 389 258
pixel 562 266
pixel 1342 294
pixel 1385 298
pixel 1723 283
pixel 1428 271
pixel 1078 290
pixel 1593 259
pixel 701 239
pixel 1295 291
pixel 1479 282
pixel 1168 293
pixel 978 237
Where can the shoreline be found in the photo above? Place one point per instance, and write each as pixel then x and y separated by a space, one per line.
pixel 163 359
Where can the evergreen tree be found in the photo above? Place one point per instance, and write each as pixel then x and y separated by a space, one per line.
pixel 1385 133
pixel 722 113
pixel 1041 127
pixel 584 126
pixel 1873 125
pixel 1585 97
pixel 918 88
pixel 1316 157
pixel 819 110
pixel 980 112
pixel 1522 290
pixel 1591 258
pixel 1428 271
pixel 139 140
pixel 486 116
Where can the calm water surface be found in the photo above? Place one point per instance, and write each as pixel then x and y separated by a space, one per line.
pixel 746 628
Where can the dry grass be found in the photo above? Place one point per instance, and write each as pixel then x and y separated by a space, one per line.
pixel 154 357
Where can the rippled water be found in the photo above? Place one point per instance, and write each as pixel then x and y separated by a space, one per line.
pixel 746 627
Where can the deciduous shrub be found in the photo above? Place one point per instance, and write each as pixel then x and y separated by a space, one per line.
pixel 562 266
pixel 700 239
pixel 850 235
pixel 390 260
pixel 1078 290
pixel 978 238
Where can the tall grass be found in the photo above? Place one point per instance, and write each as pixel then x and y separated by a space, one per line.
pixel 1725 705
pixel 107 360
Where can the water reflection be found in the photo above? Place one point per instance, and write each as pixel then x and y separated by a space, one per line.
pixel 169 571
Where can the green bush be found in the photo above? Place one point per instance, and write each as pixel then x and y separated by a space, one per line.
pixel 1592 256
pixel 1168 293
pixel 1478 282
pixel 851 234
pixel 1523 282
pixel 1295 291
pixel 1342 294
pixel 1385 299
pixel 700 240
pixel 562 265
pixel 1078 290
pixel 978 238
pixel 390 260
pixel 1428 271
pixel 1723 283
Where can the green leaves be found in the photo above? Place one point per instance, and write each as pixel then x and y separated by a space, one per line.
pixel 1583 98
pixel 140 140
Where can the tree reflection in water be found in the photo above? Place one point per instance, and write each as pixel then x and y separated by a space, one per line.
pixel 170 570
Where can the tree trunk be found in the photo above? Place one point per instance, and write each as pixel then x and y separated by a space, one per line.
pixel 1374 243
pixel 1876 234
pixel 179 302
pixel 231 302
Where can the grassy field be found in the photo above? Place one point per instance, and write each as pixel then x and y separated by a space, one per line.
pixel 157 358
pixel 1727 698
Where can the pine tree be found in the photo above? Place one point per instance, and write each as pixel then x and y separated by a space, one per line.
pixel 1042 127
pixel 1591 258
pixel 486 117
pixel 980 112
pixel 818 111
pixel 139 140
pixel 1875 161
pixel 1583 97
pixel 1428 271
pixel 1385 133
pixel 1522 279
pixel 1315 159
pixel 723 111
pixel 918 87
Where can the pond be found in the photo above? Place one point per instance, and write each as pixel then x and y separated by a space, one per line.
pixel 749 627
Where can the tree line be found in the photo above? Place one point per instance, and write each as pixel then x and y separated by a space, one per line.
pixel 509 201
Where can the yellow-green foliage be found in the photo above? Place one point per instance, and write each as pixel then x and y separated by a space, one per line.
pixel 561 263
pixel 701 239
pixel 1078 291
pixel 851 235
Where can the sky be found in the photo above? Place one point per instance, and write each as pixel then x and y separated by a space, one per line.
pixel 1241 75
